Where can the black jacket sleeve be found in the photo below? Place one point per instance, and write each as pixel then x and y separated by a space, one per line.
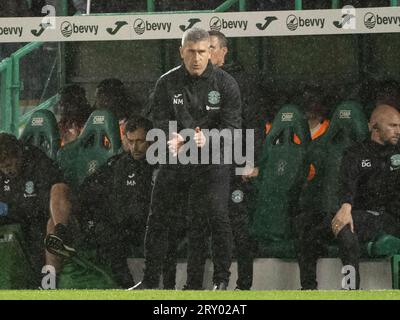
pixel 231 111
pixel 349 176
pixel 161 107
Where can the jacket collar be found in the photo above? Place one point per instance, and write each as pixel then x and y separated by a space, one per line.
pixel 382 150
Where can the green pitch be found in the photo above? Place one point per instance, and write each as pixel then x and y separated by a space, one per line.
pixel 196 295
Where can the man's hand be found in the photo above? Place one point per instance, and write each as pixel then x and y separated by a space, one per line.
pixel 249 173
pixel 175 143
pixel 342 218
pixel 199 138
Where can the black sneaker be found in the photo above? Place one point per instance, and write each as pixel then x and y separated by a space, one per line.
pixel 220 286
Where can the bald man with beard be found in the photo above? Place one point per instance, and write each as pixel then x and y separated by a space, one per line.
pixel 368 204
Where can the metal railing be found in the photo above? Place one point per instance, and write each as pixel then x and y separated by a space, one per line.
pixel 49 103
pixel 6 121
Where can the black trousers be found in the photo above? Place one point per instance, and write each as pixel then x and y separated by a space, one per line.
pixel 240 202
pixel 176 235
pixel 206 188
pixel 240 216
pixel 315 233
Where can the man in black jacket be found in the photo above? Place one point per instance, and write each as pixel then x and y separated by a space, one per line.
pixel 33 194
pixel 241 191
pixel 197 96
pixel 370 183
pixel 115 203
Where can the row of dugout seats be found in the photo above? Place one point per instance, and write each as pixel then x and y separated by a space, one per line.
pixel 283 188
pixel 100 139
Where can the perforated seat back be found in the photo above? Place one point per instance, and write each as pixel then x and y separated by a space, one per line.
pixel 42 132
pixel 99 140
pixel 282 171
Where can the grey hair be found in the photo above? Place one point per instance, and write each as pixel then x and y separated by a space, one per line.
pixel 194 35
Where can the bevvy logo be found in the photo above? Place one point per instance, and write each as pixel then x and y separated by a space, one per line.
pixel 371 20
pixel 141 26
pixel 293 22
pixel 218 24
pixel 68 28
pixel 11 31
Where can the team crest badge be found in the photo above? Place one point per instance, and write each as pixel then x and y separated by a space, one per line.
pixel 395 162
pixel 237 196
pixel 214 97
pixel 29 187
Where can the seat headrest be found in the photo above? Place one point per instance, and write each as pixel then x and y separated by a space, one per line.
pixel 101 125
pixel 42 132
pixel 348 124
pixel 288 122
pixel 99 140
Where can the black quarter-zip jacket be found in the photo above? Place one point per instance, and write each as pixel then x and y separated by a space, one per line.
pixel 209 101
pixel 370 177
pixel 27 195
pixel 116 198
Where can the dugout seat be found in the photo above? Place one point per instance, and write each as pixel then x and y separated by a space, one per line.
pixel 348 125
pixel 42 132
pixel 282 172
pixel 99 140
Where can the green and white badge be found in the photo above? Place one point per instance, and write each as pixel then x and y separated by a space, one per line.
pixel 395 162
pixel 214 97
pixel 237 196
pixel 29 187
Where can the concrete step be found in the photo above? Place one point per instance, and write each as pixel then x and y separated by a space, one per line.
pixel 278 274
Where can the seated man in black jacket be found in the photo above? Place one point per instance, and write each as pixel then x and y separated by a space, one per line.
pixel 34 194
pixel 370 184
pixel 115 203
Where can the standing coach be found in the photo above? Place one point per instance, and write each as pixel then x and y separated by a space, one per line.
pixel 197 95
